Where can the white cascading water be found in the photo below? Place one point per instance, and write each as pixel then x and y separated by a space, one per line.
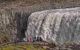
pixel 55 26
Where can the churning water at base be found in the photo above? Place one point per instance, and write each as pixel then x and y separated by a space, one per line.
pixel 55 26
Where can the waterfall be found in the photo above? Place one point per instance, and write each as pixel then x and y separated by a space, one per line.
pixel 55 26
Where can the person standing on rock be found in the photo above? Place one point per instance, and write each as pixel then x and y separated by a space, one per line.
pixel 30 38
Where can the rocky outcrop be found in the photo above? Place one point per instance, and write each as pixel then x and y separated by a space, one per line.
pixel 7 25
pixel 55 26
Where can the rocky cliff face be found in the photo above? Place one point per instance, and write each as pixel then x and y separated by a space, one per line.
pixel 57 26
pixel 7 25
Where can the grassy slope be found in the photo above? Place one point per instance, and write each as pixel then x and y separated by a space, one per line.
pixel 21 47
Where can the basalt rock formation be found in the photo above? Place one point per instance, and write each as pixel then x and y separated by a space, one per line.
pixel 55 26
